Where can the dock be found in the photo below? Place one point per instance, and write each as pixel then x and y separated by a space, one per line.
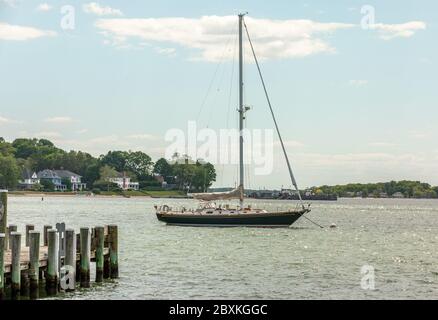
pixel 46 261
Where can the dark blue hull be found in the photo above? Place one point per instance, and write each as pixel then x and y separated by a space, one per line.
pixel 277 219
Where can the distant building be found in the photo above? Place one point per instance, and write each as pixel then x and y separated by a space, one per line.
pixel 28 179
pixel 398 195
pixel 75 179
pixel 124 182
pixel 383 195
pixel 52 176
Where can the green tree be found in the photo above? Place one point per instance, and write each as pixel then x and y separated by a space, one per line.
pixel 163 168
pixel 106 173
pixel 115 159
pixel 9 172
pixel 139 163
pixel 47 185
pixel 67 183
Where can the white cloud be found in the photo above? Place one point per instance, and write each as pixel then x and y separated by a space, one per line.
pixel 99 10
pixel 381 144
pixel 22 33
pixel 358 83
pixel 47 134
pixel 401 30
pixel 289 143
pixel 10 3
pixel 142 136
pixel 59 120
pixel 273 39
pixel 5 120
pixel 166 51
pixel 44 7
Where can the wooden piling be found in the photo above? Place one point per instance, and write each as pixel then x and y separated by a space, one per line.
pixel 3 212
pixel 85 257
pixel 70 259
pixel 46 239
pixel 29 227
pixel 99 242
pixel 34 263
pixel 113 251
pixel 15 265
pixel 11 228
pixel 52 274
pixel 24 283
pixel 2 267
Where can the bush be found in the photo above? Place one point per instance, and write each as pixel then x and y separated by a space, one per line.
pixel 96 190
pixel 149 183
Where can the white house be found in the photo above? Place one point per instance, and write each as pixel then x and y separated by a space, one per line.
pixel 124 182
pixel 75 179
pixel 28 179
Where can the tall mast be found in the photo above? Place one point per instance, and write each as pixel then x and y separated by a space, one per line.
pixel 241 109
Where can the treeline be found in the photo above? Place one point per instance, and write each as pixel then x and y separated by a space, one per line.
pixel 405 188
pixel 40 154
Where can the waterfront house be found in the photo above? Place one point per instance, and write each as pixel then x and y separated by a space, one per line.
pixel 28 179
pixel 398 195
pixel 75 179
pixel 50 175
pixel 124 182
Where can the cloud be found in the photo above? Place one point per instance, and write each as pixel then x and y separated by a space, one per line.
pixel 289 143
pixel 59 120
pixel 22 33
pixel 401 30
pixel 5 120
pixel 381 144
pixel 10 3
pixel 166 51
pixel 210 35
pixel 419 134
pixel 47 134
pixel 97 9
pixel 358 83
pixel 142 136
pixel 44 7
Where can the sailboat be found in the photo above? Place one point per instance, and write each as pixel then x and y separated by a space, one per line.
pixel 210 214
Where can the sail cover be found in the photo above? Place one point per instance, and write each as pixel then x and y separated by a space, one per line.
pixel 211 196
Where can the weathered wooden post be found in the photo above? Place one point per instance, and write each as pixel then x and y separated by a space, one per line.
pixel 29 227
pixel 3 212
pixel 25 283
pixel 70 259
pixel 52 263
pixel 99 241
pixel 34 263
pixel 15 265
pixel 114 247
pixel 11 228
pixel 46 239
pixel 2 266
pixel 78 262
pixel 85 257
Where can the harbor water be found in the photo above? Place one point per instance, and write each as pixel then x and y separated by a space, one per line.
pixel 380 249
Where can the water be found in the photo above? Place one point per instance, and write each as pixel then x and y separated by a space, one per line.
pixel 397 237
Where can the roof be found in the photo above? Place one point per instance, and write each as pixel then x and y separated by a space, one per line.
pixel 48 174
pixel 66 173
pixel 26 174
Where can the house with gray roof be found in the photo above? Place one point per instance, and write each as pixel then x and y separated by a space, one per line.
pixel 28 179
pixel 50 175
pixel 75 179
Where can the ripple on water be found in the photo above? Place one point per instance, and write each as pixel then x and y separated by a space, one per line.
pixel 397 237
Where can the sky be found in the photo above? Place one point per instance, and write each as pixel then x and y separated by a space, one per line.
pixel 353 83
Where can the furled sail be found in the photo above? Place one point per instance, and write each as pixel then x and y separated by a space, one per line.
pixel 211 196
